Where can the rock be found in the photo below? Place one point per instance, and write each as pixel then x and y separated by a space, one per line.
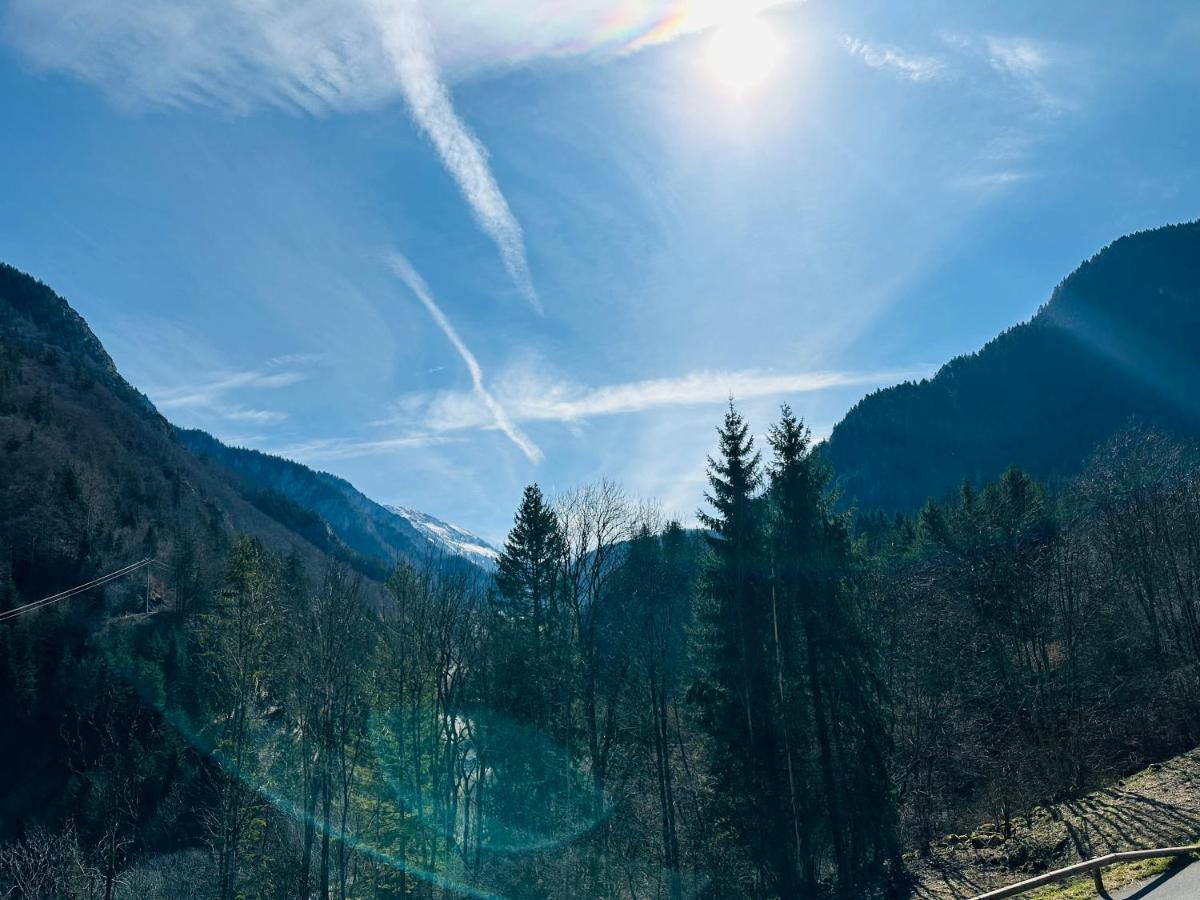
pixel 1017 858
pixel 980 840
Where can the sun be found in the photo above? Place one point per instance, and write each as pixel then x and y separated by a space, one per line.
pixel 743 53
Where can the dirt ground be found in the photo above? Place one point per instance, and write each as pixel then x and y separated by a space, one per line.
pixel 1157 807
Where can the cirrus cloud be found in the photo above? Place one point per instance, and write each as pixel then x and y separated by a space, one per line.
pixel 888 58
pixel 322 55
pixel 529 395
pixel 498 417
pixel 318 56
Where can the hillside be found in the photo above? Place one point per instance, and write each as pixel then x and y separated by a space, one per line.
pixel 94 477
pixel 1116 341
pixel 378 535
pixel 1157 807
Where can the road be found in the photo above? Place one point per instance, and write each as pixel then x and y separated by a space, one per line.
pixel 1175 884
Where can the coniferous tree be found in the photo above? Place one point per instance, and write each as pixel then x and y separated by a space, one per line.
pixel 794 548
pixel 835 693
pixel 734 686
pixel 528 580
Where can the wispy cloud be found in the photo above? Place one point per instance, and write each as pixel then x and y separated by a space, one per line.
pixel 257 416
pixel 325 449
pixel 296 359
pixel 898 62
pixel 209 392
pixel 319 56
pixel 497 415
pixel 215 394
pixel 1022 62
pixel 1032 82
pixel 530 396
pixel 1021 57
pixel 1026 62
pixel 986 180
pixel 407 35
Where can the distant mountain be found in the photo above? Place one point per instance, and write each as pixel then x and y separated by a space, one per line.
pixel 450 538
pixel 1119 340
pixel 381 535
pixel 93 478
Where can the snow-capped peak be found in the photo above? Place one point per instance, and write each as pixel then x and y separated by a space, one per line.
pixel 450 538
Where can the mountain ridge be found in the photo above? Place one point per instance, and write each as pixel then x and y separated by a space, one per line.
pixel 94 475
pixel 369 528
pixel 450 537
pixel 1115 342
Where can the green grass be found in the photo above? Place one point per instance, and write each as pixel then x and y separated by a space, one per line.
pixel 1119 875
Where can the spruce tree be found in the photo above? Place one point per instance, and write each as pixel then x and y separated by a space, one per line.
pixel 794 544
pixel 528 569
pixel 734 686
pixel 528 580
pixel 824 673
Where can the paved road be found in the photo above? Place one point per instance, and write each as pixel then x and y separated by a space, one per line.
pixel 1177 884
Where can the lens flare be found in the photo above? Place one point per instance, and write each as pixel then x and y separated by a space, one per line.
pixel 515 790
pixel 427 785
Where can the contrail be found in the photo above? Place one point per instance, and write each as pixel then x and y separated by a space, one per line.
pixel 404 269
pixel 408 40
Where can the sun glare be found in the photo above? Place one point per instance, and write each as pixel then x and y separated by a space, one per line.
pixel 743 53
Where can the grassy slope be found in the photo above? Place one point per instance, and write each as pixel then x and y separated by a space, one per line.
pixel 1158 807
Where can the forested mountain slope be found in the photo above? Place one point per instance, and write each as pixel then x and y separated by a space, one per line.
pixel 94 478
pixel 767 709
pixel 377 533
pixel 1118 340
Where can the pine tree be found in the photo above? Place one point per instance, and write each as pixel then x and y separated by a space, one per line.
pixel 734 686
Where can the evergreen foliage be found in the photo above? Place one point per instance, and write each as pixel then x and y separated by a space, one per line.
pixel 1114 343
pixel 774 706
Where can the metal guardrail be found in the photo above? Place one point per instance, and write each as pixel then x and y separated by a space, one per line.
pixel 1092 865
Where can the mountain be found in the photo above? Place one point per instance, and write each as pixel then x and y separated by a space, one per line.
pixel 381 535
pixel 93 478
pixel 450 538
pixel 1118 341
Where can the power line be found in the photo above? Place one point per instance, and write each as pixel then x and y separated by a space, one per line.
pixel 78 589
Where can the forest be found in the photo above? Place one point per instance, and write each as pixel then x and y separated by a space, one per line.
pixel 1114 342
pixel 791 701
pixel 599 450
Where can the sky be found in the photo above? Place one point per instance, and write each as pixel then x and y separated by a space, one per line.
pixel 447 249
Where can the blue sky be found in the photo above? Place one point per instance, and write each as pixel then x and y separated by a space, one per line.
pixel 447 249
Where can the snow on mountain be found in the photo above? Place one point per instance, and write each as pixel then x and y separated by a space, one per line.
pixel 450 538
